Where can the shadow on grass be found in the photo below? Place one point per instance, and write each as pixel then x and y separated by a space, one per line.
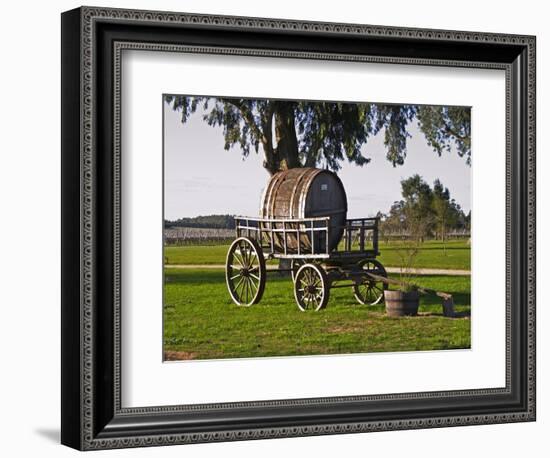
pixel 458 298
pixel 462 314
pixel 428 248
pixel 193 276
pixel 198 276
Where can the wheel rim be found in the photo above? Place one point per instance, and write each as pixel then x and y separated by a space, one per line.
pixel 310 288
pixel 245 272
pixel 371 292
pixel 294 266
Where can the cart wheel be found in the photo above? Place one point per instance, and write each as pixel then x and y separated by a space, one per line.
pixel 245 271
pixel 294 266
pixel 368 291
pixel 311 288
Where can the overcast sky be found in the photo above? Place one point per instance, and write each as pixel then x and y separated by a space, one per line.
pixel 201 178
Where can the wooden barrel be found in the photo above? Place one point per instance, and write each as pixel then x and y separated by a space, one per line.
pixel 401 303
pixel 306 193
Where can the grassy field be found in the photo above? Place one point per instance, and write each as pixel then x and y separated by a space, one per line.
pixel 456 255
pixel 201 322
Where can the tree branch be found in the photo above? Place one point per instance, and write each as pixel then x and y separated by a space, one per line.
pixel 453 132
pixel 249 118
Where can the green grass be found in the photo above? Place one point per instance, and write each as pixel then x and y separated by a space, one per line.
pixel 456 255
pixel 196 254
pixel 201 322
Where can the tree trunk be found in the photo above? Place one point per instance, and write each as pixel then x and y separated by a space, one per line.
pixel 286 153
pixel 285 134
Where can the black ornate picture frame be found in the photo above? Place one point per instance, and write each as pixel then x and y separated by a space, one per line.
pixel 92 42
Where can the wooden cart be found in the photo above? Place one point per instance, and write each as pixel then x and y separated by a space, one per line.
pixel 317 264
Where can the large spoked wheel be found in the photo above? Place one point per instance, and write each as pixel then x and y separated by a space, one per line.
pixel 369 291
pixel 311 288
pixel 245 271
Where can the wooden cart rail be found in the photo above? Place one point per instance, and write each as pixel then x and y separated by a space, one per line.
pixel 361 230
pixel 294 238
pixel 287 237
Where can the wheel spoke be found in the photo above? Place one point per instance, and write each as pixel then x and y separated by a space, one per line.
pixel 242 288
pixel 249 254
pixel 239 283
pixel 251 288
pixel 244 252
pixel 254 286
pixel 238 257
pixel 246 286
pixel 241 249
pixel 253 259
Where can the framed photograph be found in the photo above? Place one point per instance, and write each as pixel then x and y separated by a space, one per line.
pixel 276 228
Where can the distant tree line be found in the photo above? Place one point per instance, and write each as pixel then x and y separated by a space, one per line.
pixel 209 221
pixel 424 211
pixel 197 235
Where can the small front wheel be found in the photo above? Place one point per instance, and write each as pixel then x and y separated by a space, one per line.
pixel 370 291
pixel 245 271
pixel 311 288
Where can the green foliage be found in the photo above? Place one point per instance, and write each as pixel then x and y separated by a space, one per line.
pixel 445 127
pixel 308 134
pixel 447 212
pixel 394 119
pixel 201 322
pixel 331 132
pixel 413 215
pixel 424 211
pixel 417 208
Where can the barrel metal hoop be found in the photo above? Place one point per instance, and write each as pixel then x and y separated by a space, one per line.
pixel 272 189
pixel 303 196
pixel 301 210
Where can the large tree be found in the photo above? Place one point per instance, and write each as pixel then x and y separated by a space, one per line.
pixel 418 206
pixel 424 211
pixel 447 211
pixel 307 134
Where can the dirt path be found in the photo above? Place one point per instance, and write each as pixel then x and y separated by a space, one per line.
pixel 391 270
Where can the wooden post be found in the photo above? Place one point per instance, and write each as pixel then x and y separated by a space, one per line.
pixel 449 307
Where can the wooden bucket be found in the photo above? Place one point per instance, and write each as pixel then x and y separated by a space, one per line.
pixel 400 303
